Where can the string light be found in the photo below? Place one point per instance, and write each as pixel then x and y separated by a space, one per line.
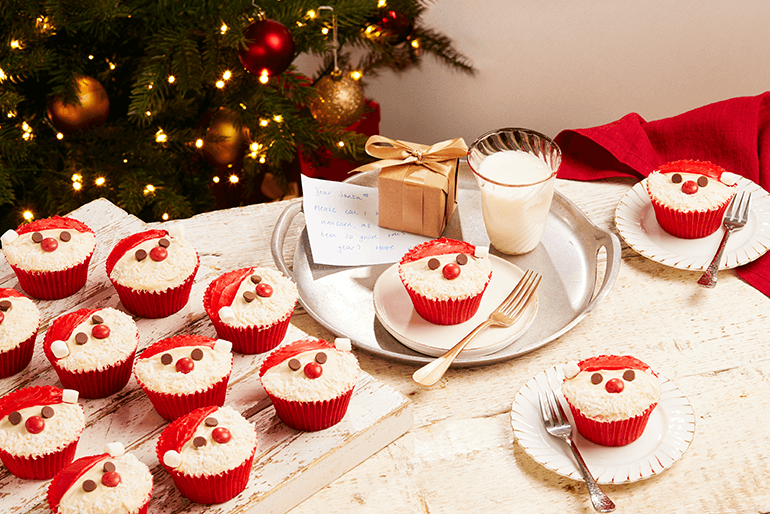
pixel 90 57
pixel 311 14
pixel 3 76
pixel 77 177
pixel 16 44
pixel 150 85
pixel 59 136
pixel 110 64
pixel 415 43
pixel 223 29
pixel 234 179
pixel 381 3
pixel 264 77
pixel 100 181
pixel 325 30
pixel 147 113
pixel 43 24
pixel 262 160
pixel 263 122
pixel 149 189
pixel 160 136
pixel 199 143
pixel 278 118
pixel 27 131
pixel 341 144
pixel 28 215
pixel 220 84
pixel 216 179
pixel 356 74
pixel 227 74
pixel 77 186
pixel 165 216
pixel 171 79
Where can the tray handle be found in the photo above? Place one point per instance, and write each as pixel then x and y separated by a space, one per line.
pixel 279 235
pixel 611 245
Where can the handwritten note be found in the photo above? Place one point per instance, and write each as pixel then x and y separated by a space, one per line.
pixel 341 222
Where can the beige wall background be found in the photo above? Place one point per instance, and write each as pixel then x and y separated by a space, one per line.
pixel 555 64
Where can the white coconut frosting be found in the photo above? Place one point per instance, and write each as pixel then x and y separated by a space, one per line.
pixel 216 363
pixel 95 353
pixel 60 430
pixel 340 373
pixel 595 402
pixel 708 197
pixel 214 458
pixel 261 310
pixel 26 254
pixel 431 283
pixel 150 275
pixel 129 495
pixel 20 322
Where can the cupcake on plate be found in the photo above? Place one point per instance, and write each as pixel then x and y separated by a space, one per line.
pixel 611 397
pixel 19 322
pixel 92 350
pixel 153 272
pixel 182 373
pixel 690 197
pixel 208 453
pixel 251 307
pixel 50 256
pixel 446 279
pixel 310 382
pixel 112 482
pixel 39 430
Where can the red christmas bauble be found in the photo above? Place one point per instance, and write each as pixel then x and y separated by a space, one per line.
pixel 395 26
pixel 269 50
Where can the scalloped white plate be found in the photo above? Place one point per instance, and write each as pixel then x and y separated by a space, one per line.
pixel 395 311
pixel 636 223
pixel 668 434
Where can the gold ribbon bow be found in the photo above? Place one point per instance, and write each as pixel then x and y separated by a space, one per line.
pixel 393 152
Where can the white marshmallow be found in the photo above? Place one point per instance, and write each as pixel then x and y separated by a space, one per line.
pixel 69 396
pixel 9 237
pixel 115 449
pixel 570 369
pixel 343 344
pixel 227 315
pixel 481 252
pixel 223 346
pixel 176 231
pixel 172 459
pixel 59 349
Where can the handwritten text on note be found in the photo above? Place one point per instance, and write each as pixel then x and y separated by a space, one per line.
pixel 341 222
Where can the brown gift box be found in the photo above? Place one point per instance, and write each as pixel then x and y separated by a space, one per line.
pixel 417 183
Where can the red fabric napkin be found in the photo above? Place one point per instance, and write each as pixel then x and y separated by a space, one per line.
pixel 734 134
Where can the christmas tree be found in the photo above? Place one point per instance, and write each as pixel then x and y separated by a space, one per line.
pixel 153 104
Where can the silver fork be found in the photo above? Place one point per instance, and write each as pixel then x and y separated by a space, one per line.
pixel 557 424
pixel 504 316
pixel 736 216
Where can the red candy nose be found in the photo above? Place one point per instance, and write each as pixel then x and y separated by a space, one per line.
pixel 35 424
pixel 614 385
pixel 689 187
pixel 185 365
pixel 313 370
pixel 111 479
pixel 49 244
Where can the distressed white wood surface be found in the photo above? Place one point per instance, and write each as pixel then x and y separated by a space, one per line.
pixel 289 466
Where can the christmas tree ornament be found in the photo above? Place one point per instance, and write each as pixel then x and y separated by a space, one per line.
pixel 91 111
pixel 224 142
pixel 269 49
pixel 394 27
pixel 340 99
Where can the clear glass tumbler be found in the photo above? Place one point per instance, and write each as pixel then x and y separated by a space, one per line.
pixel 516 187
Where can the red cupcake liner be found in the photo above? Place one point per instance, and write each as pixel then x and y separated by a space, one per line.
pixel 41 467
pixel 18 358
pixel 172 406
pixel 156 304
pixel 256 339
pixel 689 225
pixel 445 312
pixel 208 489
pixel 53 285
pixel 97 383
pixel 611 433
pixel 312 416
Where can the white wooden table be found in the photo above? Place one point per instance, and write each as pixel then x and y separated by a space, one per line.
pixel 460 454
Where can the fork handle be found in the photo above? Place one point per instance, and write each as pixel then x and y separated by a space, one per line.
pixel 600 501
pixel 709 277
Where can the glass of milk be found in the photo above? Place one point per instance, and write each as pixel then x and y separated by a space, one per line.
pixel 516 171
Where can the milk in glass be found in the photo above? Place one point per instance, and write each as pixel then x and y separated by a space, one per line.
pixel 516 192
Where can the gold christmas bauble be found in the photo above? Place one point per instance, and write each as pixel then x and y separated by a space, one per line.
pixel 91 111
pixel 224 143
pixel 340 100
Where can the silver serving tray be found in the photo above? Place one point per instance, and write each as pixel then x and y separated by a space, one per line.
pixel 340 297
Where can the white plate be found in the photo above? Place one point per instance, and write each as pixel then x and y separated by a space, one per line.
pixel 635 219
pixel 668 434
pixel 395 311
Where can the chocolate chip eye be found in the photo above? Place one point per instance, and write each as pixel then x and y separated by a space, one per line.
pixel 676 178
pixel 321 358
pixel 37 237
pixel 629 375
pixel 47 412
pixel 89 486
pixel 294 364
pixel 108 467
pixel 166 359
pixel 211 421
pixel 164 243
pixel 703 181
pixel 433 263
pixel 461 259
pixel 81 338
pixel 256 279
pixel 196 354
pixel 65 236
pixel 140 255
pixel 249 296
pixel 199 442
pixel 5 305
pixel 96 319
pixel 14 418
pixel 596 378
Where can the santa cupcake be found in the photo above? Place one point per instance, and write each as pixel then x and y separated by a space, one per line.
pixel 310 382
pixel 181 373
pixel 92 350
pixel 39 430
pixel 208 453
pixel 153 271
pixel 251 307
pixel 611 397
pixel 107 483
pixel 50 256
pixel 19 322
pixel 446 279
